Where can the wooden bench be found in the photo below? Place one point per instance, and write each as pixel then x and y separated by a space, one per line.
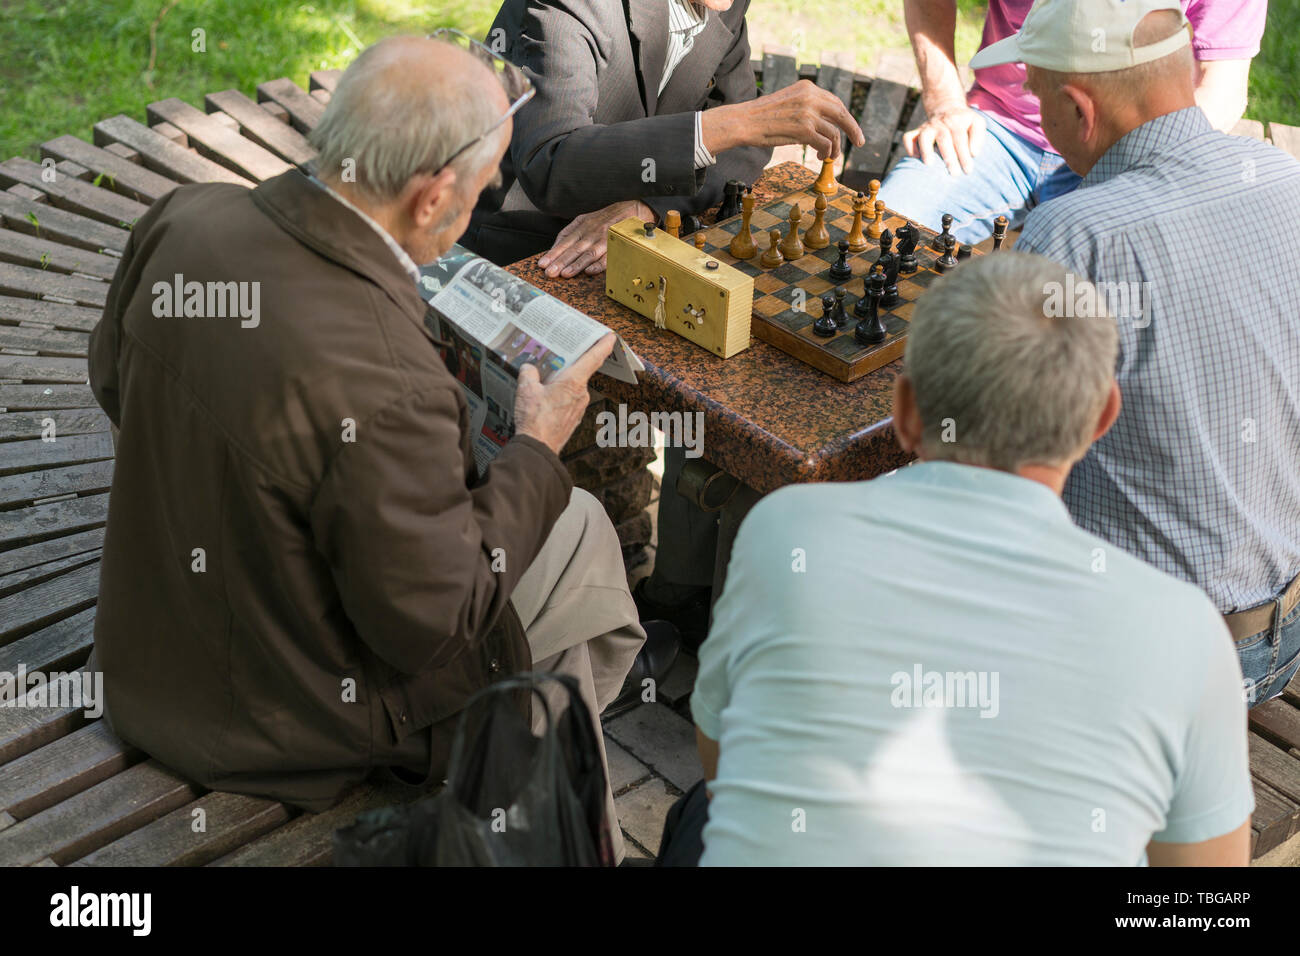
pixel 70 792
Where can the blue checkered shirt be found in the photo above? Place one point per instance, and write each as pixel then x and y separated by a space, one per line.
pixel 1201 474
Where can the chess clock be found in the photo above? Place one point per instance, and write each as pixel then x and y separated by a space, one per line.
pixel 679 287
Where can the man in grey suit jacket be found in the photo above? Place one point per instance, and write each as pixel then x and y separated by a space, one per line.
pixel 642 106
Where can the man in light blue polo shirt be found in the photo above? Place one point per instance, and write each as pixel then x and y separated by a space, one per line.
pixel 938 666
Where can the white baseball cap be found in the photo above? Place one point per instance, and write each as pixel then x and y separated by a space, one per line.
pixel 1084 36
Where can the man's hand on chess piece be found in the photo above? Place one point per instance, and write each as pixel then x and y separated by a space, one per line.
pixel 552 411
pixel 580 246
pixel 800 115
pixel 957 132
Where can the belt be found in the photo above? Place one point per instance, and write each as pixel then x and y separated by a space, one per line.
pixel 1243 624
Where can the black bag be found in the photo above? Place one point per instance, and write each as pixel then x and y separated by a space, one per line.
pixel 511 799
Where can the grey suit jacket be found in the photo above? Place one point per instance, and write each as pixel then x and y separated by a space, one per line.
pixel 597 131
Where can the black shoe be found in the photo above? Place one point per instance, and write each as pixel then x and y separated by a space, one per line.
pixel 691 618
pixel 655 659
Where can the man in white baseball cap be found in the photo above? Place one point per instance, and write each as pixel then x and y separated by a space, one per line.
pixel 981 151
pixel 1197 477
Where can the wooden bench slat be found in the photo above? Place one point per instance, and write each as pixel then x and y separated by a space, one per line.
pixel 28 577
pixel 161 154
pixel 217 141
pixel 33 486
pixel 840 82
pixel 324 79
pixel 24 280
pixel 304 112
pixel 1285 137
pixel 68 766
pixel 27 250
pixel 262 128
pixel 35 555
pixel 67 421
pixel 1277 720
pixel 48 602
pixel 230 821
pixel 44 220
pixel 24 729
pixel 72 194
pixel 1274 820
pixel 29 525
pixel 1249 127
pixel 779 68
pixel 1275 767
pixel 96 817
pixel 38 397
pixel 61 315
pixel 308 840
pixel 45 341
pixel 120 175
pixel 38 368
pixel 879 121
pixel 35 453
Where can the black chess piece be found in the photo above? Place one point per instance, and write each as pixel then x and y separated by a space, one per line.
pixel 937 242
pixel 947 260
pixel 825 325
pixel 871 331
pixel 890 297
pixel 691 224
pixel 999 232
pixel 963 253
pixel 841 271
pixel 907 238
pixel 841 317
pixel 886 242
pixel 731 193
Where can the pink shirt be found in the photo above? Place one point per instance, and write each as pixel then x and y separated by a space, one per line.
pixel 1221 30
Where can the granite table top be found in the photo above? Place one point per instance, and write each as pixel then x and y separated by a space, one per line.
pixel 769 419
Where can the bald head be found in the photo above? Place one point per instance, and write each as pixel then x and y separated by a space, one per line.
pixel 402 108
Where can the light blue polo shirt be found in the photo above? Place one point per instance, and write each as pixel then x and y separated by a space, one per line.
pixel 939 667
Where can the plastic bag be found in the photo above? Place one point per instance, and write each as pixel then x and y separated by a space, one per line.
pixel 511 799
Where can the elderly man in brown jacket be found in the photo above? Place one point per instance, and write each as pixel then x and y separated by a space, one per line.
pixel 301 577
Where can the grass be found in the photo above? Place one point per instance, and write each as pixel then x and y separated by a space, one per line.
pixel 66 65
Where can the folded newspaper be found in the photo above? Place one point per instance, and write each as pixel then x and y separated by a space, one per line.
pixel 495 322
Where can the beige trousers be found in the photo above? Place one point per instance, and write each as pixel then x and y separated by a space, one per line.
pixel 580 619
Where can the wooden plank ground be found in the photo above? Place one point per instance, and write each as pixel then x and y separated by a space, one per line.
pixel 304 112
pixel 217 141
pixel 261 127
pixel 110 170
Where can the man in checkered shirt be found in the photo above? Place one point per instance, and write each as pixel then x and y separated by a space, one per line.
pixel 1195 237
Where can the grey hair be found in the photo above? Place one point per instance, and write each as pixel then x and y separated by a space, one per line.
pixel 387 131
pixel 1001 378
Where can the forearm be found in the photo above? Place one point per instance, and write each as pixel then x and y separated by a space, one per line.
pixel 932 26
pixel 592 167
pixel 1221 89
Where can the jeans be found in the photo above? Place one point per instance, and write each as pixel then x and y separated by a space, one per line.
pixel 1270 658
pixel 1009 178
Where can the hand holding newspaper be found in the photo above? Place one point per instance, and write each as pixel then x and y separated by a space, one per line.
pixel 491 323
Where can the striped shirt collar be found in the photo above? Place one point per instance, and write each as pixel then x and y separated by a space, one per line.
pixel 685 16
pixel 407 263
pixel 1154 136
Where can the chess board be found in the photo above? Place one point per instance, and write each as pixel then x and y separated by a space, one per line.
pixel 778 293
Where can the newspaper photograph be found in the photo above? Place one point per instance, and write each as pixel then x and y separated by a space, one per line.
pixel 494 323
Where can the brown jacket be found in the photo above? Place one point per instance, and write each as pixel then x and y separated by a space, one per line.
pixel 344 596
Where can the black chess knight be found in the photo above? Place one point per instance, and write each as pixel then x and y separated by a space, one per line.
pixel 731 194
pixel 907 239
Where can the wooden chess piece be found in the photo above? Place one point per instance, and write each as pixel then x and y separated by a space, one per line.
pixel 873 189
pixel 825 325
pixel 878 224
pixel 999 232
pixel 858 241
pixel 948 260
pixel 826 184
pixel 946 222
pixel 772 257
pixel 818 236
pixel 792 247
pixel 871 331
pixel 699 240
pixel 743 246
pixel 673 223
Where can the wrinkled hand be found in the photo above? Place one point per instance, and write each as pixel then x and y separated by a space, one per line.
pixel 580 246
pixel 957 133
pixel 552 411
pixel 800 115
